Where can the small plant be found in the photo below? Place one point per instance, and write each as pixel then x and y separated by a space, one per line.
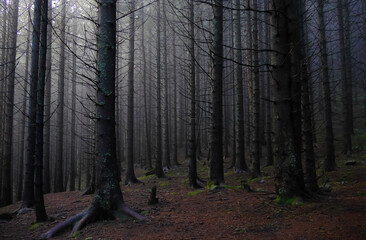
pixel 75 234
pixel 34 226
pixel 288 201
pixel 190 194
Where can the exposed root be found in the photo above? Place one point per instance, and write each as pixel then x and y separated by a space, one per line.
pixel 90 190
pixel 133 181
pixel 64 225
pixel 91 214
pixel 200 183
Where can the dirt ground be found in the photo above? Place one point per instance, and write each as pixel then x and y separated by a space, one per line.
pixel 226 213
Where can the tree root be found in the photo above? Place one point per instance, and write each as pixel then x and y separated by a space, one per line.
pixel 90 190
pixel 134 181
pixel 91 214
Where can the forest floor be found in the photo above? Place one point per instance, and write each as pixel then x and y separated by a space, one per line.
pixel 226 213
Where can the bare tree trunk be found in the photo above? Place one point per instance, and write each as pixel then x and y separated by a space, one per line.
pixel 329 161
pixel 240 143
pixel 158 165
pixel 175 104
pixel 41 214
pixel 130 174
pixel 216 165
pixel 7 189
pixel 73 112
pixel 256 171
pixel 60 109
pixel 47 114
pixel 166 145
pixel 347 141
pixel 285 38
pixel 28 194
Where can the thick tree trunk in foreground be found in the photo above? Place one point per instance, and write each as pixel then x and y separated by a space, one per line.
pixel 288 172
pixel 217 164
pixel 329 161
pixel 108 202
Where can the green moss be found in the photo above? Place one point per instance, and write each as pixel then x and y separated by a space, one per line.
pixel 164 184
pixel 232 187
pixel 287 200
pixel 34 226
pixel 190 194
pixel 173 193
pixel 75 234
pixel 362 194
pixel 145 177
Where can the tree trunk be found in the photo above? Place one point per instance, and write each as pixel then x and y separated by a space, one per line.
pixel 347 141
pixel 158 165
pixel 108 202
pixel 47 113
pixel 240 143
pixel 284 39
pixel 7 189
pixel 130 174
pixel 329 161
pixel 28 194
pixel 216 165
pixel 60 109
pixel 256 171
pixel 166 145
pixel 175 104
pixel 41 214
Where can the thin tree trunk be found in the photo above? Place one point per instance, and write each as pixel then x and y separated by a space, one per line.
pixel 7 189
pixel 59 187
pixel 41 214
pixel 216 166
pixel 47 114
pixel 158 165
pixel 28 194
pixel 256 171
pixel 240 143
pixel 175 104
pixel 347 141
pixel 329 161
pixel 130 174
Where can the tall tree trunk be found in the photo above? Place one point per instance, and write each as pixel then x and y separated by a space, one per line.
pixel 28 194
pixel 175 104
pixel 192 172
pixel 146 102
pixel 41 214
pixel 158 165
pixel 347 141
pixel 7 189
pixel 108 202
pixel 256 171
pixel 310 173
pixel 166 145
pixel 329 161
pixel 23 120
pixel 289 180
pixel 59 186
pixel 73 112
pixel 130 174
pixel 216 166
pixel 240 143
pixel 47 113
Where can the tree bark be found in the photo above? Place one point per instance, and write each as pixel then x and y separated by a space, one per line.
pixel 216 165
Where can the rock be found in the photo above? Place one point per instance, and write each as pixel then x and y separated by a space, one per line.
pixel 350 162
pixel 326 188
pixel 262 181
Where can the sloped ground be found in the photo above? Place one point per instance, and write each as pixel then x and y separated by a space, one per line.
pixel 226 213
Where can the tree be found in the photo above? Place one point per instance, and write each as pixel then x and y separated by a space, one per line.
pixel 216 164
pixel 329 161
pixel 28 194
pixel 41 214
pixel 108 201
pixel 158 164
pixel 346 111
pixel 7 190
pixel 240 144
pixel 58 184
pixel 130 174
pixel 289 180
